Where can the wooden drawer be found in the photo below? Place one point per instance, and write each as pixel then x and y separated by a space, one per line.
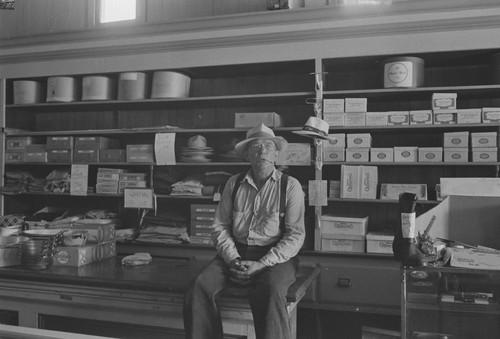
pixel 360 282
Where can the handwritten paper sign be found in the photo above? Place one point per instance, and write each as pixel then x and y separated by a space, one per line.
pixel 165 148
pixel 138 198
pixel 79 179
pixel 317 193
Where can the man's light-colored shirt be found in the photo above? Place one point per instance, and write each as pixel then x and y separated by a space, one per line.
pixel 254 220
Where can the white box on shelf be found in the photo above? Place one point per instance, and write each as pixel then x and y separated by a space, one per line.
pixel 333 155
pixel 430 154
pixel 334 119
pixel 332 225
pixel 356 105
pixel 445 117
pixel 297 154
pixel 392 191
pixel 456 139
pixel 484 154
pixel 359 140
pixel 379 242
pixel 355 119
pixel 349 181
pixel 357 154
pixel 484 139
pixel 490 114
pixel 469 116
pixel 421 117
pixel 397 118
pixel 368 182
pixel 376 118
pixel 406 154
pixel 344 243
pixel 442 101
pixel 456 154
pixel 337 140
pixel 333 105
pixel 382 154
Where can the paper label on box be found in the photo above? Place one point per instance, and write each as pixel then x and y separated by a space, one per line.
pixel 296 154
pixel 398 74
pixel 392 191
pixel 79 179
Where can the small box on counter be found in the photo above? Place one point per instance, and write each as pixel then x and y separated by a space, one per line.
pixel 456 139
pixel 406 154
pixel 445 117
pixel 333 155
pixel 470 258
pixel 359 140
pixel 490 114
pixel 344 243
pixel 35 157
pixel 82 255
pixel 392 191
pixel 333 105
pixel 379 242
pixel 398 118
pixel 444 101
pixel 95 142
pixel 85 155
pixel 484 139
pixel 484 154
pixel 469 116
pixel 60 155
pixel 60 142
pixel 334 119
pixel 245 120
pixel 140 153
pixel 353 105
pixel 421 117
pixel 430 154
pixel 336 141
pixel 376 118
pixel 357 154
pixel 355 119
pixel 297 154
pixel 112 155
pixel 100 230
pixel 456 154
pixel 381 154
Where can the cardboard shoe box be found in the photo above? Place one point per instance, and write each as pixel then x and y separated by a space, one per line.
pixel 112 155
pixel 95 142
pixel 484 154
pixel 458 154
pixel 430 154
pixel 60 155
pixel 359 140
pixel 405 154
pixel 336 141
pixel 382 154
pixel 344 243
pixel 99 230
pixel 85 155
pixel 333 155
pixel 140 153
pixel 483 139
pixel 456 139
pixel 60 142
pixel 332 225
pixel 379 242
pixel 357 154
pixel 490 114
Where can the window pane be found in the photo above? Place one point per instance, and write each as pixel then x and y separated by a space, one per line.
pixel 117 10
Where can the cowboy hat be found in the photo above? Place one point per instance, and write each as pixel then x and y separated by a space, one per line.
pixel 260 132
pixel 315 128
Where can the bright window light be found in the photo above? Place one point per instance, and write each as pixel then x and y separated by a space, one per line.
pixel 117 10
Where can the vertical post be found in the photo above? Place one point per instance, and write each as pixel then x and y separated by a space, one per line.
pixel 3 99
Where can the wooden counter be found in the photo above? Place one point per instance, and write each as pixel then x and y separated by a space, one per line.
pixel 109 299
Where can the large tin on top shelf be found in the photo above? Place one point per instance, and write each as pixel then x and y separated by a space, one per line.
pixel 406 72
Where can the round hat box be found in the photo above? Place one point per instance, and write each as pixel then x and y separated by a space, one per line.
pixel 403 72
pixel 61 89
pixel 132 86
pixel 168 84
pixel 27 92
pixel 97 88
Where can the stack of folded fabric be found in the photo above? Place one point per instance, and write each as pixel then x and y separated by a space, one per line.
pixel 163 227
pixel 191 185
pixel 16 182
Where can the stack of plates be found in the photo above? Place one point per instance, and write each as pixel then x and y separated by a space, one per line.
pixel 196 154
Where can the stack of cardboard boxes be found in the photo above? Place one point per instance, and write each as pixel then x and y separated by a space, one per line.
pixel 202 219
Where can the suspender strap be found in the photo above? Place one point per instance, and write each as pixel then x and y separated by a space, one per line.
pixel 283 185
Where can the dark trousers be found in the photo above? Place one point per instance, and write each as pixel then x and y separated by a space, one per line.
pixel 267 298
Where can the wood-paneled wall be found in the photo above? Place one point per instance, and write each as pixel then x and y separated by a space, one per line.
pixel 34 17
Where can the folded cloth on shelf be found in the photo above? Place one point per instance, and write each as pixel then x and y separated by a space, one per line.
pixel 137 259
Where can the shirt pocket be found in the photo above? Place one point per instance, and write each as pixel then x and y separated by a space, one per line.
pixel 239 224
pixel 269 225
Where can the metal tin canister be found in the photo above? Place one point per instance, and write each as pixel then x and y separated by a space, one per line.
pixel 97 87
pixel 27 92
pixel 169 84
pixel 403 72
pixel 61 89
pixel 132 86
